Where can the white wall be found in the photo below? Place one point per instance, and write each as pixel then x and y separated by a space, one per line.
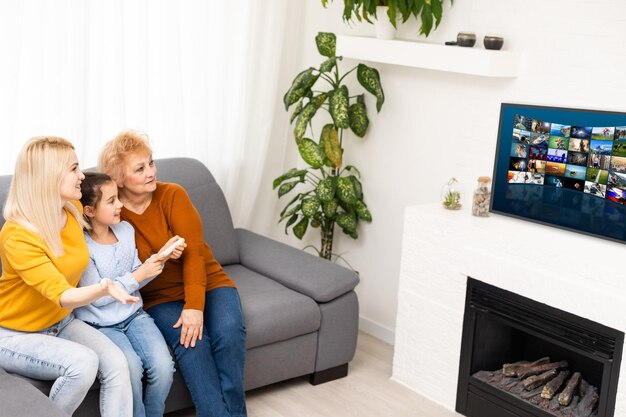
pixel 435 125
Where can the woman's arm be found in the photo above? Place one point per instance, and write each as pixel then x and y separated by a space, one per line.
pixel 78 297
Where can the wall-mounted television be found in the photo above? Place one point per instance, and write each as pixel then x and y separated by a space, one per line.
pixel 562 167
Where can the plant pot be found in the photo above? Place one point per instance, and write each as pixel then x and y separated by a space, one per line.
pixel 384 28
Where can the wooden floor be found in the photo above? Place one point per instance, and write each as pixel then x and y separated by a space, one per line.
pixel 366 391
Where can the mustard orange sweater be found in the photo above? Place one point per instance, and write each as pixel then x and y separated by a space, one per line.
pixel 33 279
pixel 171 213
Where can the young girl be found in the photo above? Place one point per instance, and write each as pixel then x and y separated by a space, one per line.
pixel 43 255
pixel 112 253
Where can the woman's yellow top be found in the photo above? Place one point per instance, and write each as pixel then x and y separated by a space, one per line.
pixel 33 279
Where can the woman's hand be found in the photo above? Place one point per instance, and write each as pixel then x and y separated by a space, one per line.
pixel 116 292
pixel 191 320
pixel 178 251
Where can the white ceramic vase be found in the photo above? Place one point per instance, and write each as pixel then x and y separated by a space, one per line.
pixel 384 28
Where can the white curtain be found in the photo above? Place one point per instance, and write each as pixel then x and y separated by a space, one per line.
pixel 200 77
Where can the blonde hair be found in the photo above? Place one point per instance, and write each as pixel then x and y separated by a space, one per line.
pixel 113 156
pixel 34 199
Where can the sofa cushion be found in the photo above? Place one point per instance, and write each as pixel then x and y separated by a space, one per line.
pixel 209 199
pixel 272 312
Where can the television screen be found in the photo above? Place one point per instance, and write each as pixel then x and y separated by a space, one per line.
pixel 562 167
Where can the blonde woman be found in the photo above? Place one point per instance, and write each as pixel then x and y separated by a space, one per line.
pixel 43 253
pixel 194 303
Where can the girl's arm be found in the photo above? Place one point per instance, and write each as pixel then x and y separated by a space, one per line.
pixel 78 297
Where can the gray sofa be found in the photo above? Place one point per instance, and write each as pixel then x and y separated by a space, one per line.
pixel 301 312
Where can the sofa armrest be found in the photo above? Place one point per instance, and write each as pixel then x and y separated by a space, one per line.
pixel 300 271
pixel 21 399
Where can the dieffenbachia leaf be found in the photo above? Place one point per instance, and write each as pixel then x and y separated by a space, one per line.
pixel 326 43
pixel 292 173
pixel 307 113
pixel 338 106
pixel 286 187
pixel 370 80
pixel 329 142
pixel 300 86
pixel 329 64
pixel 300 229
pixel 310 206
pixel 296 112
pixel 362 211
pixel 293 200
pixel 346 190
pixel 291 221
pixel 293 210
pixel 358 189
pixel 325 190
pixel 347 221
pixel 358 117
pixel 330 208
pixel 311 153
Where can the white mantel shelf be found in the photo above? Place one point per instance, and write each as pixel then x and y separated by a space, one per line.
pixel 474 61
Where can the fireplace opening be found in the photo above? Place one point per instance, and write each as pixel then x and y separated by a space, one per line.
pixel 504 328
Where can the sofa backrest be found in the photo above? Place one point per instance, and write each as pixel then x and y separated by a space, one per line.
pixel 205 194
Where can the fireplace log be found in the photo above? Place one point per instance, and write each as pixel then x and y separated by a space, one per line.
pixel 536 370
pixel 565 397
pixel 588 402
pixel 527 395
pixel 553 386
pixel 535 381
pixel 511 369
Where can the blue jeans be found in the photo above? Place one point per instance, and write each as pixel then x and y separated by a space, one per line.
pixel 213 370
pixel 72 354
pixel 144 348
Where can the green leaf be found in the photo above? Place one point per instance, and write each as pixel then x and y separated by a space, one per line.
pixel 329 64
pixel 315 223
pixel 358 189
pixel 346 191
pixel 310 206
pixel 296 112
pixel 437 9
pixel 293 210
pixel 293 172
pixel 291 221
pixel 326 43
pixel 325 190
pixel 300 229
pixel 362 211
pixel 427 20
pixel 300 86
pixel 347 221
pixel 370 80
pixel 286 187
pixel 293 200
pixel 358 117
pixel 307 114
pixel 311 153
pixel 338 105
pixel 329 142
pixel 330 208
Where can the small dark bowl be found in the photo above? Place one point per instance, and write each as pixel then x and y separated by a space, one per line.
pixel 466 39
pixel 493 42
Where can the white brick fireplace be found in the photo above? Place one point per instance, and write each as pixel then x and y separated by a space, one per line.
pixel 583 275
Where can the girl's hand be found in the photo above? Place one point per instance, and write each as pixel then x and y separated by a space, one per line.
pixel 116 292
pixel 191 320
pixel 152 266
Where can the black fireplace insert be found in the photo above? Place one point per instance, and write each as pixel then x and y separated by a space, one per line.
pixel 500 327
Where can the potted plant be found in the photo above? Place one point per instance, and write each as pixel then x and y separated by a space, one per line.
pixel 429 11
pixel 328 191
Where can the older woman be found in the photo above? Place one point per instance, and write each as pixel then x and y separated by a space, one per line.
pixel 194 303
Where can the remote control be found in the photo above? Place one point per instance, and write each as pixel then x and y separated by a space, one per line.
pixel 171 247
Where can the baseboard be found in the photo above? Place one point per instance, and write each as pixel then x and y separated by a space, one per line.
pixel 377 330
